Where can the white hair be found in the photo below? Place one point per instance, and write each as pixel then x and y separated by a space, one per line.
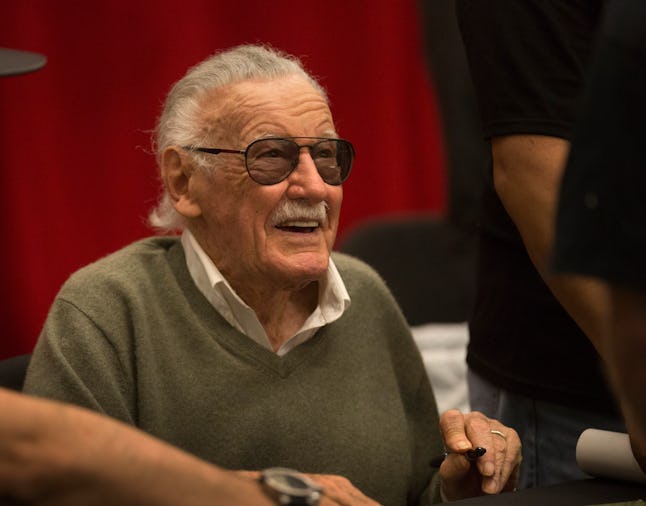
pixel 178 124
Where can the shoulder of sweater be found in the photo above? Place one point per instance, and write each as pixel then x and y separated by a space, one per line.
pixel 352 266
pixel 357 273
pixel 123 263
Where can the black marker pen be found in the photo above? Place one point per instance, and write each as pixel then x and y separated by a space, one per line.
pixel 470 455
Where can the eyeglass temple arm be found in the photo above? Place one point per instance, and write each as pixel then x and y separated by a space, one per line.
pixel 213 151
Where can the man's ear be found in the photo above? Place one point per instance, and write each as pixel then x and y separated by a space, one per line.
pixel 176 174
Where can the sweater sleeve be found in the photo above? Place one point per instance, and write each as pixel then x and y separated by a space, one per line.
pixel 416 393
pixel 75 362
pixel 426 441
pixel 426 431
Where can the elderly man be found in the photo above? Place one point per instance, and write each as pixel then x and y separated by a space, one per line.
pixel 245 342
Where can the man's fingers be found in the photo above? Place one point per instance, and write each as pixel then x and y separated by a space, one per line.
pixel 341 490
pixel 496 470
pixel 452 425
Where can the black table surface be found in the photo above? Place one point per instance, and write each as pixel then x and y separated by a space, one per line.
pixel 589 492
pixel 572 493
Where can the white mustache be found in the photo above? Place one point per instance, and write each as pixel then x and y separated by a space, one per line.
pixel 298 210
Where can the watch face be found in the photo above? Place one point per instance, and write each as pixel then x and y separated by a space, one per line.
pixel 291 486
pixel 289 481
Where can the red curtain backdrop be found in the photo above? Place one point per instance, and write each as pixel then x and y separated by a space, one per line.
pixel 76 171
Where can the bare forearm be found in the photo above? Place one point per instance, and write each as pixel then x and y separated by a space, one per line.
pixel 527 178
pixel 56 454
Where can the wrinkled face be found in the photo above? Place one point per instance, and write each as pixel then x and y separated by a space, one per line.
pixel 278 235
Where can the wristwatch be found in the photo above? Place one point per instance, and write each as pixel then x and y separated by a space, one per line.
pixel 290 487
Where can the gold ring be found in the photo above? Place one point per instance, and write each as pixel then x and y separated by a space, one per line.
pixel 498 433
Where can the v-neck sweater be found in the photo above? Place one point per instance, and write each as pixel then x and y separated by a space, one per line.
pixel 131 336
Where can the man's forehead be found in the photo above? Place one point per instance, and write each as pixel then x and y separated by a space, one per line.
pixel 270 107
pixel 291 91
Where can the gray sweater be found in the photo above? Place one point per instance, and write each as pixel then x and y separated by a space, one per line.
pixel 131 336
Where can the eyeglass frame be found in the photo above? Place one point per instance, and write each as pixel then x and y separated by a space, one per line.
pixel 217 151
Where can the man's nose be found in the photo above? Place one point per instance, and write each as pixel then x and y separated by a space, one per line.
pixel 306 177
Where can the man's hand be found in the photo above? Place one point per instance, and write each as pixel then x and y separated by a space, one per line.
pixel 496 471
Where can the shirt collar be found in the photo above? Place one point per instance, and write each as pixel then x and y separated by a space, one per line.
pixel 333 298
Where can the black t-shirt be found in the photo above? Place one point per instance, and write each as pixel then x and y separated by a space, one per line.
pixel 601 229
pixel 528 62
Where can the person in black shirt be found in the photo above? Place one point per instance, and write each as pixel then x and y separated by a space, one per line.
pixel 532 357
pixel 601 225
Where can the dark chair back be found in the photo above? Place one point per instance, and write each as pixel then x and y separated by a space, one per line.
pixel 427 261
pixel 13 371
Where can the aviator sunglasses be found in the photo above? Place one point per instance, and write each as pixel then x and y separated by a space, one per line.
pixel 271 160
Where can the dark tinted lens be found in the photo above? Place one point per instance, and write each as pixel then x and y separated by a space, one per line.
pixel 333 159
pixel 269 161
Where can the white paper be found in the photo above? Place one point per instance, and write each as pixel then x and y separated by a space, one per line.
pixel 608 455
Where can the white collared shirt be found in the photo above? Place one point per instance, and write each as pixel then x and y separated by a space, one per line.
pixel 333 298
